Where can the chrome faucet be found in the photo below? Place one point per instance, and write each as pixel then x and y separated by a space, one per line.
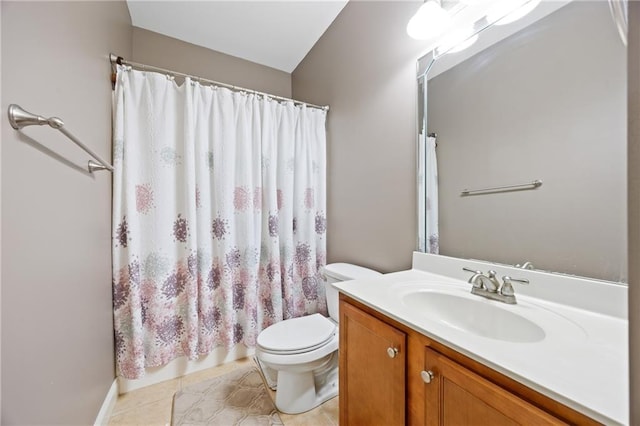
pixel 489 287
pixel 487 282
pixel 525 265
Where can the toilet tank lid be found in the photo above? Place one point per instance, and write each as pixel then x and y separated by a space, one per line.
pixel 348 271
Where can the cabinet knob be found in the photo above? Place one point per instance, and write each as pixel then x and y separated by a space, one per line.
pixel 427 376
pixel 392 352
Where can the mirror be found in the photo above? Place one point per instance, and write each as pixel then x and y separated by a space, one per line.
pixel 543 98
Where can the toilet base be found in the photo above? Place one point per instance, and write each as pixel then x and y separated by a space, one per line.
pixel 298 392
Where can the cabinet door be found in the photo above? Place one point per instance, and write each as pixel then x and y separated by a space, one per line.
pixel 457 396
pixel 372 370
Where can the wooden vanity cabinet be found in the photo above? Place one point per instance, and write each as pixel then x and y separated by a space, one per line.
pixel 372 370
pixel 379 389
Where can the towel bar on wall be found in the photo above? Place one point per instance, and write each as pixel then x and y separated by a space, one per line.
pixel 531 185
pixel 19 118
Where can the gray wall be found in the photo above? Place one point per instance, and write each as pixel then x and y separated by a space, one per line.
pixel 547 103
pixel 165 52
pixel 634 209
pixel 364 68
pixel 57 332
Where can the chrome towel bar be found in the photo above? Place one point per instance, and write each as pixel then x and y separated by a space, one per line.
pixel 532 185
pixel 19 118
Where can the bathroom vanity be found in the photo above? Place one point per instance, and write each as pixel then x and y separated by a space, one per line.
pixel 558 356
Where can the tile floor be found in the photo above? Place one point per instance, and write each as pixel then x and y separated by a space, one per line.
pixel 151 406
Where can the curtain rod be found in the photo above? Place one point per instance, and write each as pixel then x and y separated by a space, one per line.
pixel 119 60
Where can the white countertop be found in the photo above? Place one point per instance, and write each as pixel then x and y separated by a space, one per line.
pixel 582 362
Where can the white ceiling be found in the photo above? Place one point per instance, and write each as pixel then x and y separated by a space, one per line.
pixel 278 34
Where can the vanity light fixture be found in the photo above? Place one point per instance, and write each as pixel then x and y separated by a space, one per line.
pixel 433 20
pixel 429 21
pixel 509 11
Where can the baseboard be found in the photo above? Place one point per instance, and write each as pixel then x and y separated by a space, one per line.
pixel 107 406
pixel 183 366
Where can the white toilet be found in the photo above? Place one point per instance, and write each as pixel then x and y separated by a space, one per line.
pixel 304 351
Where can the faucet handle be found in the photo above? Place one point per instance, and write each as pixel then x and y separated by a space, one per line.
pixel 507 289
pixel 515 280
pixel 494 284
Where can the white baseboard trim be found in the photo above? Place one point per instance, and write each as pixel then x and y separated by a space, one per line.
pixel 107 406
pixel 182 366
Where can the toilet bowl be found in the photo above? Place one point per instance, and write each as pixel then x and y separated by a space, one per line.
pixel 304 351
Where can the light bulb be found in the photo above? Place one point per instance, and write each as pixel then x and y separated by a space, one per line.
pixel 429 21
pixel 508 12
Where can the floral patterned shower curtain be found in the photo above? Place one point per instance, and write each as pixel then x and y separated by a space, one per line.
pixel 218 214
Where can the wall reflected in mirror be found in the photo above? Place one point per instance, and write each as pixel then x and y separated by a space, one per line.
pixel 543 99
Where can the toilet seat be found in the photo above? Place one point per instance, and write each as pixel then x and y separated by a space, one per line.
pixel 297 335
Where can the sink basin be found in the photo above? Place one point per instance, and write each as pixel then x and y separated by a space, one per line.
pixel 475 315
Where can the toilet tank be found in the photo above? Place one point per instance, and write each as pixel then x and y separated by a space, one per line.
pixel 336 272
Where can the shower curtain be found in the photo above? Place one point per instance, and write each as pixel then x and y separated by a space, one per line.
pixel 428 195
pixel 433 236
pixel 218 215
